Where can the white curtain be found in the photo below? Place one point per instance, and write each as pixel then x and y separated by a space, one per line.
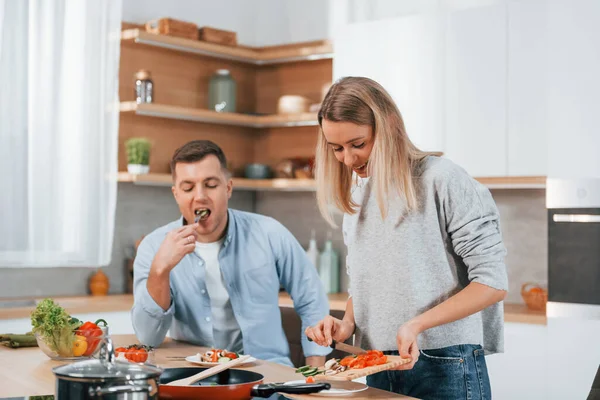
pixel 59 117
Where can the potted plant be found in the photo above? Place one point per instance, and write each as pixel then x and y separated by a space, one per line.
pixel 138 155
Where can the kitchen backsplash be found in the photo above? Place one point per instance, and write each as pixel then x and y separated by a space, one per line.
pixel 140 209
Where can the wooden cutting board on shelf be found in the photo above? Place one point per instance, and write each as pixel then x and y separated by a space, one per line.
pixel 351 374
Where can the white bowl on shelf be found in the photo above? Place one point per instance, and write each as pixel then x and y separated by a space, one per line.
pixel 291 104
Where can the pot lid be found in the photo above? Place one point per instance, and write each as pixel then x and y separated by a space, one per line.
pixel 101 369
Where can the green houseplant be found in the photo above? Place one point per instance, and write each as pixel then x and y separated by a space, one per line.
pixel 138 155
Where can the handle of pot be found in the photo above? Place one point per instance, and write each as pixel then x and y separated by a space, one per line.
pixel 101 391
pixel 267 389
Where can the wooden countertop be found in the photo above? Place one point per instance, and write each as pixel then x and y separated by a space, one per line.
pixel 30 371
pixel 91 304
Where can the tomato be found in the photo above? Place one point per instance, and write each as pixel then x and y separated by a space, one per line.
pixel 310 379
pixel 136 355
pixel 347 360
pixel 231 355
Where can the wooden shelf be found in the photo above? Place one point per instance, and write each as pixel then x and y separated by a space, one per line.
pixel 213 117
pixel 317 50
pixel 289 185
pixel 514 182
pixel 308 185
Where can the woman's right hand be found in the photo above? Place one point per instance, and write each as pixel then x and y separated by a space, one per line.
pixel 329 329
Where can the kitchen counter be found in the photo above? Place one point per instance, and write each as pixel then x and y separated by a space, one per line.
pixel 30 371
pixel 86 304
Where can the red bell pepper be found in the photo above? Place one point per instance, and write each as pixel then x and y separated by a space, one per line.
pixel 91 330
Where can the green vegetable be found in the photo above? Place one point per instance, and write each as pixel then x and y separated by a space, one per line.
pixel 302 369
pixel 311 372
pixel 55 326
pixel 224 359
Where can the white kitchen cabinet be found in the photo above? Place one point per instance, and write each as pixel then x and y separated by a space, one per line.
pixel 573 66
pixel 527 118
pixel 520 372
pixel 573 356
pixel 405 55
pixel 475 89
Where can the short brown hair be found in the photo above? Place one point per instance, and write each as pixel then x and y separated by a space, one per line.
pixel 195 151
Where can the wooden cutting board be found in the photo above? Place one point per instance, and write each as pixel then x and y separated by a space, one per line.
pixel 351 374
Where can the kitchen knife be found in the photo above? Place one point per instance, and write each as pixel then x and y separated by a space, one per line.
pixel 345 347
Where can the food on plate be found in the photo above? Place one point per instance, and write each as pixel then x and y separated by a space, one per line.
pixel 136 353
pixel 335 366
pixel 217 355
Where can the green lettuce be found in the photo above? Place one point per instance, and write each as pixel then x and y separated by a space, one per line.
pixel 55 326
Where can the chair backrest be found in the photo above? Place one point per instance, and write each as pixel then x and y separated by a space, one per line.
pixel 595 392
pixel 292 326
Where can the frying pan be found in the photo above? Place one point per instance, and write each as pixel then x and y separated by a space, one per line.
pixel 234 384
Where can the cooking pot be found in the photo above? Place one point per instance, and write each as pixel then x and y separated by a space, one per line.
pixel 231 384
pixel 106 378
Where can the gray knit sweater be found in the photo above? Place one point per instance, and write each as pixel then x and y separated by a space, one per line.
pixel 403 266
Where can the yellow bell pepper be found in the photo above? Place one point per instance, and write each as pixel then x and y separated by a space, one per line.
pixel 79 345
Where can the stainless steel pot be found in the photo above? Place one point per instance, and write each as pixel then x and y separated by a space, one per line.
pixel 106 378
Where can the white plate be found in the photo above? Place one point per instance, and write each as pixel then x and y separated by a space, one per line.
pixel 196 360
pixel 338 388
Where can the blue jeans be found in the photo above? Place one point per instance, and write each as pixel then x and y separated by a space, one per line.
pixel 455 372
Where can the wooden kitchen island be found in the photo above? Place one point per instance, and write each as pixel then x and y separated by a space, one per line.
pixel 28 371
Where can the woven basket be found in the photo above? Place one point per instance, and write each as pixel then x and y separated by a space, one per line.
pixel 534 296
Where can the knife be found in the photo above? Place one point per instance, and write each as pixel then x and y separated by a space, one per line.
pixel 344 347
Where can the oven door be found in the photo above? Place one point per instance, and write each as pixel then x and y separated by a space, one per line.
pixel 574 255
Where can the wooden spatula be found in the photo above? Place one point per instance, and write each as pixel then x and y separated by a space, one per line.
pixel 209 372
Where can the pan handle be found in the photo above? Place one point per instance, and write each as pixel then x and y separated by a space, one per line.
pixel 267 389
pixel 103 391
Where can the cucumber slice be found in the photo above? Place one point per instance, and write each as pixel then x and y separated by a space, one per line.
pixel 302 369
pixel 311 372
pixel 224 359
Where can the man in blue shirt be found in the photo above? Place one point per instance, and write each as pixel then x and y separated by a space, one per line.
pixel 215 282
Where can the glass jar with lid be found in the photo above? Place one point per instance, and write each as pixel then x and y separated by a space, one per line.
pixel 222 92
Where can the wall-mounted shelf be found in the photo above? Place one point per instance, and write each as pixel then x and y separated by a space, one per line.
pixel 308 185
pixel 252 55
pixel 514 182
pixel 213 117
pixel 289 185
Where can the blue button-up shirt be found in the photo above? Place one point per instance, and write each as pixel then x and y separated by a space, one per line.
pixel 258 255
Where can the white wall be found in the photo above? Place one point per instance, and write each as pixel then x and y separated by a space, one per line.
pixel 257 22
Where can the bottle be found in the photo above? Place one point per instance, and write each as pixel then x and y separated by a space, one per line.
pixel 329 267
pixel 144 87
pixel 221 92
pixel 313 252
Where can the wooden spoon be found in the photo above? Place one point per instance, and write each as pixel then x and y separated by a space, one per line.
pixel 209 372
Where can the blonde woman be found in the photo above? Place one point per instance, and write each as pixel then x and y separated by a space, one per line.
pixel 425 251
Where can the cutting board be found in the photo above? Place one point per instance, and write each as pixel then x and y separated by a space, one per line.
pixel 351 374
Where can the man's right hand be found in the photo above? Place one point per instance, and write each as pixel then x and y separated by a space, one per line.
pixel 177 244
pixel 330 328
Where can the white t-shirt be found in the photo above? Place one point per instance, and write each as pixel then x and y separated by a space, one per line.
pixel 226 331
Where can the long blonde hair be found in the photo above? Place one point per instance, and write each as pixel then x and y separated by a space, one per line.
pixel 363 101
